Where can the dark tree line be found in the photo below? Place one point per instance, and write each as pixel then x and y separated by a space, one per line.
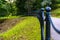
pixel 19 7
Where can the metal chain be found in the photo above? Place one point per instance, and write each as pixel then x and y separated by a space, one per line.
pixel 58 31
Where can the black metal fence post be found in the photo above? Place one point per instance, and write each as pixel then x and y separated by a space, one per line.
pixel 42 23
pixel 41 20
pixel 48 9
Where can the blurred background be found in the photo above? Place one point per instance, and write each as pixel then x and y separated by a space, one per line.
pixel 20 7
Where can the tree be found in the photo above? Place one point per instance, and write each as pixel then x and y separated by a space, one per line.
pixel 7 7
pixel 53 5
pixel 20 6
pixel 3 11
pixel 27 6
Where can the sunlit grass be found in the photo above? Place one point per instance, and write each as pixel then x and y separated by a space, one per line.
pixel 27 29
pixel 9 17
pixel 56 13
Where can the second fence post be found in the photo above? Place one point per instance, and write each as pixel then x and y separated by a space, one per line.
pixel 48 9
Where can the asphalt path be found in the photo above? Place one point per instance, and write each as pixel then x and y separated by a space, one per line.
pixel 54 34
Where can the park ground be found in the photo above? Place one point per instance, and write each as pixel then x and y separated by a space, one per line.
pixel 20 28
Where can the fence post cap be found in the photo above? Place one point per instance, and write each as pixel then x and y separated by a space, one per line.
pixel 42 9
pixel 48 9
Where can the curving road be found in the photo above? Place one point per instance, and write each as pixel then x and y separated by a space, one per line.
pixel 56 22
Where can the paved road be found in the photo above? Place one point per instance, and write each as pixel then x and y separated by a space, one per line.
pixel 56 22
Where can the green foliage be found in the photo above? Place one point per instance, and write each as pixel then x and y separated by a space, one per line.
pixel 27 5
pixel 7 8
pixel 3 11
pixel 37 4
pixel 54 6
pixel 19 7
pixel 2 2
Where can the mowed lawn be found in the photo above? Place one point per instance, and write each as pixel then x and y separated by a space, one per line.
pixel 56 12
pixel 27 29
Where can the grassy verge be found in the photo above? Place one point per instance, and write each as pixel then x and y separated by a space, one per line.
pixel 56 12
pixel 28 29
pixel 9 17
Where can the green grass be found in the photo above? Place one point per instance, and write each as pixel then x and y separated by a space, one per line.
pixel 27 29
pixel 9 17
pixel 56 13
pixel 58 5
